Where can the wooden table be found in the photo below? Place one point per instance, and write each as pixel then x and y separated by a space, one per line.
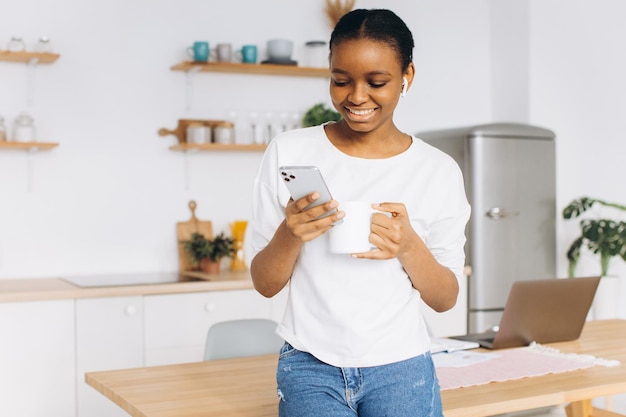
pixel 247 386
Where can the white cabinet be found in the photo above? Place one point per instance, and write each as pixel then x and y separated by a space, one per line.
pixel 109 335
pixel 176 324
pixel 452 322
pixel 37 354
pixel 278 304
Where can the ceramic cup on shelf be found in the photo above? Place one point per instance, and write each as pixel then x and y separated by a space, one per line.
pixel 247 54
pixel 224 52
pixel 199 51
pixel 279 50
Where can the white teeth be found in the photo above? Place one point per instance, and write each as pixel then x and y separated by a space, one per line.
pixel 361 112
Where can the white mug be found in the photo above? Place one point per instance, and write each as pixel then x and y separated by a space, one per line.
pixel 352 234
pixel 224 52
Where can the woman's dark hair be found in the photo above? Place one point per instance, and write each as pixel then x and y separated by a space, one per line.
pixel 378 25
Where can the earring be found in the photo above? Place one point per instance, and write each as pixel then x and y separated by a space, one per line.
pixel 405 86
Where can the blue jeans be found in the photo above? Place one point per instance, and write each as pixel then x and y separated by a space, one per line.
pixel 308 387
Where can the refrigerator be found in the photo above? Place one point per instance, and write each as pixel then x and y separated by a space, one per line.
pixel 509 173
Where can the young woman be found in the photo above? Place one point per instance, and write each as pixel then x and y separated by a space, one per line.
pixel 356 342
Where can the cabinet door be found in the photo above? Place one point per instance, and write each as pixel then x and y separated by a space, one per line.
pixel 278 304
pixel 109 335
pixel 176 324
pixel 452 322
pixel 37 359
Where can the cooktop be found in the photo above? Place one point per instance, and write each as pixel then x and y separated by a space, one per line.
pixel 116 280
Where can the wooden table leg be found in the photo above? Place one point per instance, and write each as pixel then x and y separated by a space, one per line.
pixel 585 409
pixel 579 409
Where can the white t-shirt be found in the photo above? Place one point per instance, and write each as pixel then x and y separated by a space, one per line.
pixel 352 312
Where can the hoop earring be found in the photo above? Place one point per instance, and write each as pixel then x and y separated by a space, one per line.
pixel 405 86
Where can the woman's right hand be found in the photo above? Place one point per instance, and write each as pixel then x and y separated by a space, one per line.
pixel 305 225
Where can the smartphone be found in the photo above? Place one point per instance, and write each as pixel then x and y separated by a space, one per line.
pixel 303 180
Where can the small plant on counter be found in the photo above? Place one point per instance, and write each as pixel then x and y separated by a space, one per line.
pixel 319 114
pixel 199 248
pixel 602 236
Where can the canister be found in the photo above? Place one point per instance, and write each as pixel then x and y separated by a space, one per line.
pixel 316 54
pixel 24 128
pixel 224 133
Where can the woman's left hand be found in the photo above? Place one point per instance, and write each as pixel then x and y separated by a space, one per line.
pixel 391 232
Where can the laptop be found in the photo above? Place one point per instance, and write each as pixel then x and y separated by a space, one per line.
pixel 542 311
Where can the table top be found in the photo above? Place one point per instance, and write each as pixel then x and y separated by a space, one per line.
pixel 216 387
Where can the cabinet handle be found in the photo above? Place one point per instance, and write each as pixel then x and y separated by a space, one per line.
pixel 497 213
pixel 210 307
pixel 130 310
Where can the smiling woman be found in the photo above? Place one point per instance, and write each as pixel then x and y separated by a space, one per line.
pixel 354 320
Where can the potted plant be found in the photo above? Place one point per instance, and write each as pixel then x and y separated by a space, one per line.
pixel 319 114
pixel 605 237
pixel 207 253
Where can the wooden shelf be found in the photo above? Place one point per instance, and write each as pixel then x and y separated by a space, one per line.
pixel 264 69
pixel 26 57
pixel 216 147
pixel 42 146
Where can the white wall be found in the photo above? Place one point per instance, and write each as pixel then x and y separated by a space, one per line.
pixel 108 198
pixel 578 89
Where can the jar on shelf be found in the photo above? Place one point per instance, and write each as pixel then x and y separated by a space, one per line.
pixel 24 128
pixel 224 133
pixel 316 54
pixel 197 133
pixel 16 44
pixel 43 45
pixel 3 130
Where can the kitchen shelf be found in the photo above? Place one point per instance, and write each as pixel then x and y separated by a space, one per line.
pixel 263 69
pixel 42 146
pixel 216 147
pixel 27 57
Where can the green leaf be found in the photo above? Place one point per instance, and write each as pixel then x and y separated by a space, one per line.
pixel 319 114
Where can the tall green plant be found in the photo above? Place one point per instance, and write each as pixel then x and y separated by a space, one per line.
pixel 605 237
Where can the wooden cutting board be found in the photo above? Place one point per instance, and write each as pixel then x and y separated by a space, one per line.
pixel 184 230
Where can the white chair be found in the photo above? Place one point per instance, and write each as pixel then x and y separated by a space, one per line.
pixel 239 338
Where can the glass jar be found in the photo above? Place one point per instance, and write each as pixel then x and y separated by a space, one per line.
pixel 16 45
pixel 24 128
pixel 3 130
pixel 43 45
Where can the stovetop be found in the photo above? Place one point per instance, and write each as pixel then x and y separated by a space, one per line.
pixel 116 280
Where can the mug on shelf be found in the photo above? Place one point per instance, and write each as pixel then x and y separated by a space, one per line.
pixel 247 54
pixel 224 52
pixel 199 51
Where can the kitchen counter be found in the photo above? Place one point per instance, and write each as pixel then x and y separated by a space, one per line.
pixel 39 289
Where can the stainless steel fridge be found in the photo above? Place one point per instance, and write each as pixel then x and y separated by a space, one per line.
pixel 509 172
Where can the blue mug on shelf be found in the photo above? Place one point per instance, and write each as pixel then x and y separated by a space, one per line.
pixel 199 52
pixel 247 54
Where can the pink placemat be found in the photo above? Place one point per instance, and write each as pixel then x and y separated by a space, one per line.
pixel 509 364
